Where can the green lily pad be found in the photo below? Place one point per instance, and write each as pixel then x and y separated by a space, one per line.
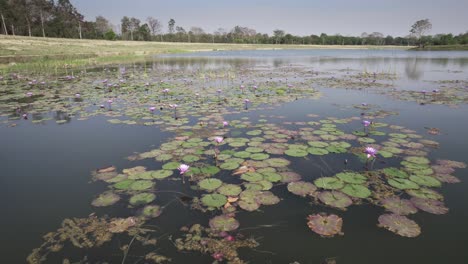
pixel 318 144
pixel 214 200
pixel 242 154
pixel 402 184
pixel 211 170
pixel 171 166
pixel 278 162
pixel 210 184
pixel 330 183
pixel 259 156
pixel 190 158
pixel 356 190
pixel 142 198
pixel 295 152
pixel 141 185
pixel 123 185
pixel 161 174
pixel 417 160
pixel 425 194
pixel 252 176
pixel 394 172
pixel 229 189
pixel 271 176
pixel 352 177
pixel 335 199
pixel 254 149
pixel 317 151
pixel 425 181
pixel 229 165
pixel 151 211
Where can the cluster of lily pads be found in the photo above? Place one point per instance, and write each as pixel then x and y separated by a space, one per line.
pixel 236 166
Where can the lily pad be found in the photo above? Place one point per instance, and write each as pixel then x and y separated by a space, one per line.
pixel 402 184
pixel 351 177
pixel 267 198
pixel 400 225
pixel 394 172
pixel 224 223
pixel 229 165
pixel 317 151
pixel 152 211
pixel 252 176
pixel 278 162
pixel 141 185
pixel 425 181
pixel 259 156
pixel 106 199
pixel 211 170
pixel 271 176
pixel 210 184
pixel 356 190
pixel 430 206
pixel 330 183
pixel 399 206
pixel 301 188
pixel 295 152
pixel 326 226
pixel 417 160
pixel 124 185
pixel 425 194
pixel 335 199
pixel 229 189
pixel 142 198
pixel 161 174
pixel 214 200
pixel 171 166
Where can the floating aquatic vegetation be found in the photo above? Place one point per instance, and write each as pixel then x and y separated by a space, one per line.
pixel 399 206
pixel 210 184
pixel 214 200
pixel 329 183
pixel 335 199
pixel 142 198
pixel 356 190
pixel 325 225
pixel 429 205
pixel 106 199
pixel 301 188
pixel 220 247
pixel 400 225
pixel 223 223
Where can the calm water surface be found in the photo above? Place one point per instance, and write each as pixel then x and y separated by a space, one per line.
pixel 46 168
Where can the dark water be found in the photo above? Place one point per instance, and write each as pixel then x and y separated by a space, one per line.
pixel 45 169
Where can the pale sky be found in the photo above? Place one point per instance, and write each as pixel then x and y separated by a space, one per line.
pixel 299 17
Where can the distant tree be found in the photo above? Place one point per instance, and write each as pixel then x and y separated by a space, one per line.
pixel 419 28
pixel 110 35
pixel 171 25
pixel 144 32
pixel 102 26
pixel 134 26
pixel 155 26
pixel 278 34
pixel 125 27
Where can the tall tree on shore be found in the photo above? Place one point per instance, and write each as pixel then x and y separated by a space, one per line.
pixel 278 34
pixel 171 25
pixel 419 28
pixel 155 26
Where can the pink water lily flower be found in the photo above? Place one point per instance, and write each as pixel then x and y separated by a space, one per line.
pixel 218 139
pixel 29 94
pixel 371 152
pixel 77 95
pixel 218 256
pixel 152 108
pixel 225 123
pixel 183 168
pixel 366 123
pixel 246 101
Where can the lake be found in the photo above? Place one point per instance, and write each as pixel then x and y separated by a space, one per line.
pixel 289 180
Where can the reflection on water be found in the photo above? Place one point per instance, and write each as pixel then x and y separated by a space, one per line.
pixel 410 64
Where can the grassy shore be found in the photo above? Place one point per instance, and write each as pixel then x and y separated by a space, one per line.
pixel 23 52
pixel 443 47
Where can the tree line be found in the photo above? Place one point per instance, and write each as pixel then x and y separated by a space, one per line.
pixel 59 18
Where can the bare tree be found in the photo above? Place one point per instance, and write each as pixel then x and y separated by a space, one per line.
pixel 155 26
pixel 419 28
pixel 102 25
pixel 133 26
